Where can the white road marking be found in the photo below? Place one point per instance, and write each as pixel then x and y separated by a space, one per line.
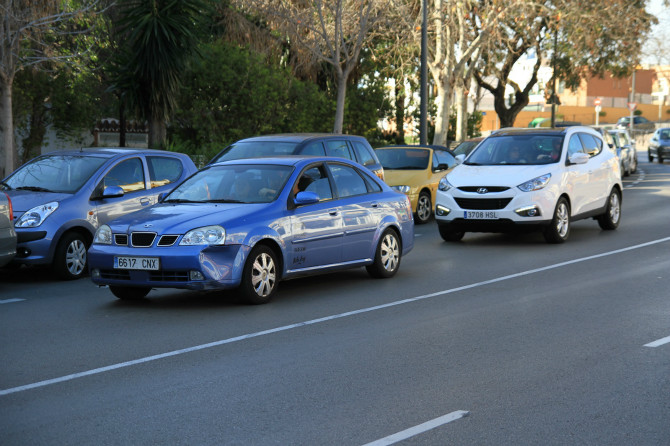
pixel 318 321
pixel 640 179
pixel 658 343
pixel 9 301
pixel 416 430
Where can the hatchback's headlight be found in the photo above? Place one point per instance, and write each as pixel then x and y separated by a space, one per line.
pixel 403 189
pixel 207 235
pixel 36 216
pixel 444 184
pixel 535 184
pixel 103 236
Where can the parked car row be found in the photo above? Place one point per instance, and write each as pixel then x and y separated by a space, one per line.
pixel 619 140
pixel 271 208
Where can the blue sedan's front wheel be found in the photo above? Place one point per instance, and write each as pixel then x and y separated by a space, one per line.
pixel 260 277
pixel 387 256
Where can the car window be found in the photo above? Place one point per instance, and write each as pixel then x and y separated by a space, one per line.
pixel 314 179
pixel 347 181
pixel 164 170
pixel 443 157
pixel 404 159
pixel 575 146
pixel 592 145
pixel 128 175
pixel 56 173
pixel 313 148
pixel 665 134
pixel 338 148
pixel 255 149
pixel 363 153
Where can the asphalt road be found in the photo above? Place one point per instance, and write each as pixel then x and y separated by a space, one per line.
pixel 494 340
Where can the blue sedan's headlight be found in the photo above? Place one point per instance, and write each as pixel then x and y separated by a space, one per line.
pixel 535 184
pixel 207 235
pixel 103 236
pixel 36 216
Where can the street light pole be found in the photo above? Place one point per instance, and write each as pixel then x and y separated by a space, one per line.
pixel 554 96
pixel 423 119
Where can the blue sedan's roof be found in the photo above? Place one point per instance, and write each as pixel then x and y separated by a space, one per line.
pixel 287 160
pixel 296 137
pixel 108 152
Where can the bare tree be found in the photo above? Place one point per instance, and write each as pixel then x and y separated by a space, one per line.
pixel 332 31
pixel 21 21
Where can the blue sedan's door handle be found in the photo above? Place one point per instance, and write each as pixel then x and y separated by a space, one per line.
pixel 145 201
pixel 333 212
pixel 375 204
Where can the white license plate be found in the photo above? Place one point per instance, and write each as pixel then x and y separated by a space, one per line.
pixel 480 215
pixel 144 263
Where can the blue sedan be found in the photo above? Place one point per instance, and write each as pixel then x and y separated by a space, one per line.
pixel 250 223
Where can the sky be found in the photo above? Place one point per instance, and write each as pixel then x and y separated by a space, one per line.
pixel 656 7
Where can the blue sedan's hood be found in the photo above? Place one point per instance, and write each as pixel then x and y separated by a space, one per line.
pixel 168 218
pixel 23 200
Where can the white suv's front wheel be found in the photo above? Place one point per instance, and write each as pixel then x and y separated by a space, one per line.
pixel 559 228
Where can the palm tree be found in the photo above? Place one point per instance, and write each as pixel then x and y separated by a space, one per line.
pixel 161 35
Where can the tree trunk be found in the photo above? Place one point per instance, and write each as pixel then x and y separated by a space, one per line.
pixel 157 133
pixel 7 128
pixel 443 99
pixel 341 95
pixel 122 124
pixel 400 110
pixel 461 113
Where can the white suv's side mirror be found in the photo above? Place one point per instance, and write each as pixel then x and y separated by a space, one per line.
pixel 579 158
pixel 460 158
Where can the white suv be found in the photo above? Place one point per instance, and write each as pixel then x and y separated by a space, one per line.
pixel 531 179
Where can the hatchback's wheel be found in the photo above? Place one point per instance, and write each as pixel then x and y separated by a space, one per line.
pixel 559 228
pixel 259 279
pixel 423 208
pixel 387 256
pixel 624 171
pixel 660 157
pixel 650 156
pixel 610 219
pixel 130 292
pixel 449 235
pixel 70 260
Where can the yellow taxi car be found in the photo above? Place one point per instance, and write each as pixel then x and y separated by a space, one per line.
pixel 415 170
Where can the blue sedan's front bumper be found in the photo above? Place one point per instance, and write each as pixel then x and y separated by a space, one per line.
pixel 187 267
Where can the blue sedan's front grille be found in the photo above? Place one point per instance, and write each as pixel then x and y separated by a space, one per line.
pixel 142 239
pixel 115 274
pixel 168 276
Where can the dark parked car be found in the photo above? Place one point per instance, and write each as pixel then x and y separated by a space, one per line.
pixel 61 198
pixel 659 146
pixel 640 124
pixel 465 147
pixel 250 223
pixel 355 148
pixel 7 233
pixel 619 141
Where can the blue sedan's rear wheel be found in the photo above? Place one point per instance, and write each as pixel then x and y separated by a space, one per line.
pixel 387 256
pixel 260 277
pixel 70 259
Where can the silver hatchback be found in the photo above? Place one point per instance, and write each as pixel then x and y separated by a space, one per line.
pixel 61 198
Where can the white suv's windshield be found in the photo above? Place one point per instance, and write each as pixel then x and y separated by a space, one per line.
pixel 55 173
pixel 517 150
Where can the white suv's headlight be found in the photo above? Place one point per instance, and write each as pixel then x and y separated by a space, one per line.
pixel 403 189
pixel 207 235
pixel 444 184
pixel 535 184
pixel 36 216
pixel 103 236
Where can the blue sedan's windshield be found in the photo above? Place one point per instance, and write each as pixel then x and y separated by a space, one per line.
pixel 233 184
pixel 55 173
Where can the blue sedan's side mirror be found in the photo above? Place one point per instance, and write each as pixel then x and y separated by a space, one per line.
pixel 161 196
pixel 112 192
pixel 302 198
